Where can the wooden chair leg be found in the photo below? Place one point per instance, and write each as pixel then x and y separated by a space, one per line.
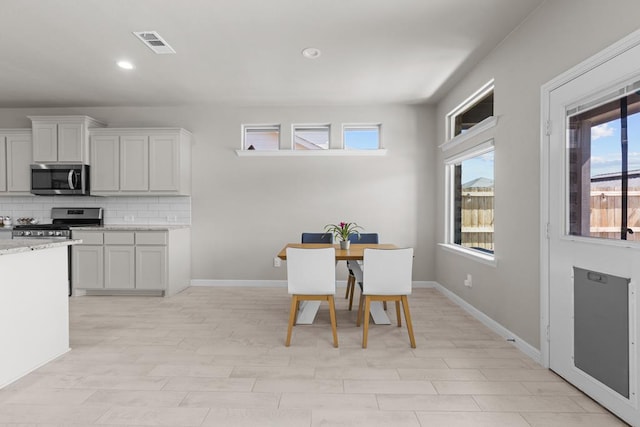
pixel 350 281
pixel 398 313
pixel 332 315
pixel 353 290
pixel 384 305
pixel 365 328
pixel 292 318
pixel 360 306
pixel 407 318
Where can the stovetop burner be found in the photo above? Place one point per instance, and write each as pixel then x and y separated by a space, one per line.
pixel 41 227
pixel 63 220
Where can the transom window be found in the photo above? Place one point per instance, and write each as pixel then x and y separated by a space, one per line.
pixel 361 137
pixel 261 137
pixel 311 137
pixel 472 111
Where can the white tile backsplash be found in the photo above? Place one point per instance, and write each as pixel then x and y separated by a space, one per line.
pixel 144 210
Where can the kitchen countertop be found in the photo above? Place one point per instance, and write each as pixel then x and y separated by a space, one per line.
pixel 140 227
pixel 15 246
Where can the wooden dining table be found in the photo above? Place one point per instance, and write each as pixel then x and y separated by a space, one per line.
pixel 309 309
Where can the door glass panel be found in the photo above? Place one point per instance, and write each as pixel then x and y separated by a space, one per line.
pixel 604 170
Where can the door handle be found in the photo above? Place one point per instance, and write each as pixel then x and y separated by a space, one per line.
pixel 71 180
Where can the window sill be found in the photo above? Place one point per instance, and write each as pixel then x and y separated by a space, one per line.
pixel 480 257
pixel 484 125
pixel 310 153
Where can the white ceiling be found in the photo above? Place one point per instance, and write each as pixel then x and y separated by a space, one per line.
pixel 244 52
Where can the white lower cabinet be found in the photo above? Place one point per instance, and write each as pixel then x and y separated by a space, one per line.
pixel 151 267
pixel 88 267
pixel 119 267
pixel 112 261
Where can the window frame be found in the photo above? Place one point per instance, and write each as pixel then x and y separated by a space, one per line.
pixel 266 127
pixel 288 151
pixel 363 126
pixel 478 149
pixel 467 105
pixel 310 126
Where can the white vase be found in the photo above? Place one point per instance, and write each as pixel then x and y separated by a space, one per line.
pixel 344 244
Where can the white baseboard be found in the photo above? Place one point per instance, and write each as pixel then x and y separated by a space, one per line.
pixel 239 283
pixel 277 283
pixel 496 327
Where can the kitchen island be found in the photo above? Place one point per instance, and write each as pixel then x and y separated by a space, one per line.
pixel 34 305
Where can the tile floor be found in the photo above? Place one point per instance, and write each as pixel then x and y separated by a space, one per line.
pixel 216 357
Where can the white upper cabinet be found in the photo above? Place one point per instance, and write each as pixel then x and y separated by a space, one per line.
pixel 134 163
pixel 63 139
pixel 164 170
pixel 142 162
pixel 105 163
pixel 16 152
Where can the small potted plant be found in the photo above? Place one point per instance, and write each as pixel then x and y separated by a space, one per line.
pixel 342 232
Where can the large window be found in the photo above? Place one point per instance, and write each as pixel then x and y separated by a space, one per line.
pixel 471 199
pixel 604 167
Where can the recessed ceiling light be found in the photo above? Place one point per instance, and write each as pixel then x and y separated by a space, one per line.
pixel 125 65
pixel 311 53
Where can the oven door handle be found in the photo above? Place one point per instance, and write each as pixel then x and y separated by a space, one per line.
pixel 71 180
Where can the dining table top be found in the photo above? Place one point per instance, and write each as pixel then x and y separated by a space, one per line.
pixel 354 253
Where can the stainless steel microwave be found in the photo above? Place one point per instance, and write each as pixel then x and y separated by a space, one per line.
pixel 60 179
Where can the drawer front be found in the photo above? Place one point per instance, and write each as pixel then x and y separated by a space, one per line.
pixel 151 238
pixel 88 237
pixel 119 238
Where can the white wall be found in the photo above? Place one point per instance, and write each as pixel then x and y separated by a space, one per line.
pixel 555 37
pixel 245 209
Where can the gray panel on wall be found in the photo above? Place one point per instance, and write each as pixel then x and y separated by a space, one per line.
pixel 601 327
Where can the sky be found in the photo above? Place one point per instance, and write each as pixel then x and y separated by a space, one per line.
pixel 605 146
pixel 478 167
pixel 361 139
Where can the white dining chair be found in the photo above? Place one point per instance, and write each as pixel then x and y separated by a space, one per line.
pixel 311 276
pixel 386 276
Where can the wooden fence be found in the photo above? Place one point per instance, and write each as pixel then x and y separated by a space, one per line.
pixel 477 207
pixel 606 213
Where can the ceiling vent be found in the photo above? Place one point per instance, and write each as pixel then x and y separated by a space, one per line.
pixel 154 42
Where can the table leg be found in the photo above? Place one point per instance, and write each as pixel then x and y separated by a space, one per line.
pixel 307 312
pixel 377 311
pixel 378 314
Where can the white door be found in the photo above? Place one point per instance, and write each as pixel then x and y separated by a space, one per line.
pixel 593 260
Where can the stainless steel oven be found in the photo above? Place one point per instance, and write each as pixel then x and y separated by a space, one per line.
pixel 60 179
pixel 60 228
